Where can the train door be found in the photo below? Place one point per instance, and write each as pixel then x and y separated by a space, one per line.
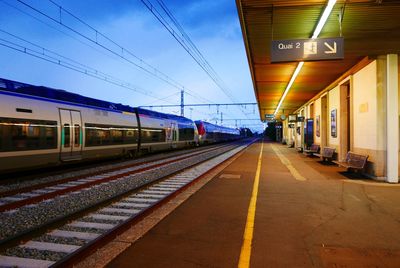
pixel 71 135
pixel 174 130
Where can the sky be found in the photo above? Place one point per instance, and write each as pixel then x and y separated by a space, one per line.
pixel 124 43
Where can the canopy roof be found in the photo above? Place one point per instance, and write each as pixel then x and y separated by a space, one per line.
pixel 369 28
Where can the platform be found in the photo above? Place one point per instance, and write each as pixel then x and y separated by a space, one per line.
pixel 307 215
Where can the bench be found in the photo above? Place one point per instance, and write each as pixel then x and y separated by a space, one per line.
pixel 353 161
pixel 314 149
pixel 327 154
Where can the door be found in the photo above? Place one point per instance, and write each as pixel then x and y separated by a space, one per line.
pixel 71 135
pixel 174 139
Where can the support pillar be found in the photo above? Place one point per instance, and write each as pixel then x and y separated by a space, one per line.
pixel 392 119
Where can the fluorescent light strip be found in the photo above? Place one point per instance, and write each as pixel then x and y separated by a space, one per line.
pixel 317 31
pixel 296 72
pixel 323 19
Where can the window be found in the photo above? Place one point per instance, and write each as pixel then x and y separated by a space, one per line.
pixel 153 135
pixel 27 134
pixel 67 135
pixel 101 135
pixel 186 132
pixel 77 135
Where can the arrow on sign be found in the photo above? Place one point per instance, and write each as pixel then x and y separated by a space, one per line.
pixel 332 50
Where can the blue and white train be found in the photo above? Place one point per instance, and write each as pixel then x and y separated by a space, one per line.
pixel 41 126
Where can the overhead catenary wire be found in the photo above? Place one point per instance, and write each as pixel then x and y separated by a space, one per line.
pixel 199 59
pixel 92 47
pixel 68 63
pixel 119 54
pixel 149 69
pixel 57 29
pixel 184 40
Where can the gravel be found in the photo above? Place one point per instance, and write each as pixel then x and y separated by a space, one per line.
pixel 35 254
pixel 90 219
pixel 61 240
pixel 82 229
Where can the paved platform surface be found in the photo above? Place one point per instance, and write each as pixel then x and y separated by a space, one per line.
pixel 307 215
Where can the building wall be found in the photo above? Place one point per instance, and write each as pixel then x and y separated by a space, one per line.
pixel 364 104
pixel 369 115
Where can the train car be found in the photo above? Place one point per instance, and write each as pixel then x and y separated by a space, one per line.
pixel 210 133
pixel 159 131
pixel 41 126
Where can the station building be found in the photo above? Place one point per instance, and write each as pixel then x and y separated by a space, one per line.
pixel 349 104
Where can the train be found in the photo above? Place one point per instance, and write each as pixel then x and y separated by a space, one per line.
pixel 210 133
pixel 42 126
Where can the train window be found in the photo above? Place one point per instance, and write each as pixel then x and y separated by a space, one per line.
pixel 100 135
pixel 117 136
pixel 153 135
pixel 27 134
pixel 67 135
pixel 186 132
pixel 77 135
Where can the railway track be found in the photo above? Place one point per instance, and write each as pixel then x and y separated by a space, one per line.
pixel 17 185
pixel 63 238
pixel 17 198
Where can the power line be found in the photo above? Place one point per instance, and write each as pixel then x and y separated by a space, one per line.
pixel 148 68
pixel 119 54
pixel 56 29
pixel 68 63
pixel 184 40
pixel 87 44
pixel 202 104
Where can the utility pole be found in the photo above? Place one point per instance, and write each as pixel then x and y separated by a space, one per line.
pixel 182 103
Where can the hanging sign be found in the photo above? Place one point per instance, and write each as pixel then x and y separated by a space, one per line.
pixel 307 49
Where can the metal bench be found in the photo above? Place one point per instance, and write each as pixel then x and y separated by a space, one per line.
pixel 314 149
pixel 353 161
pixel 327 154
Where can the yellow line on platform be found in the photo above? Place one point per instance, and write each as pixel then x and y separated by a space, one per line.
pixel 245 253
pixel 288 164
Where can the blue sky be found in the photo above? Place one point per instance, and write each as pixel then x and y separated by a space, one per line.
pixel 212 25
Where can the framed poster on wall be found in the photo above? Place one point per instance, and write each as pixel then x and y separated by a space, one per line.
pixel 333 123
pixel 317 123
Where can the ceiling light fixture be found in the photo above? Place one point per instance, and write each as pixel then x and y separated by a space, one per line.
pixel 317 31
